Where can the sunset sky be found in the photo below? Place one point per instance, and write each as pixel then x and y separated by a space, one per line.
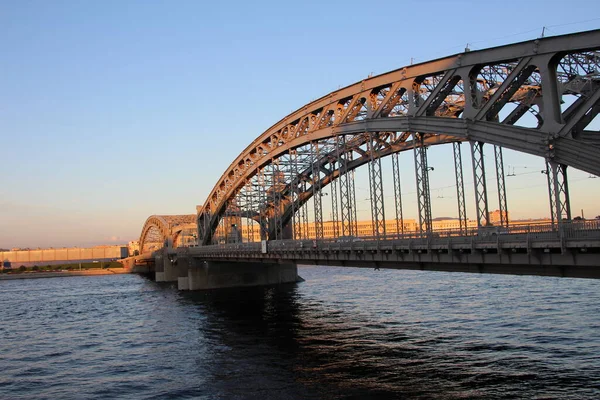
pixel 111 111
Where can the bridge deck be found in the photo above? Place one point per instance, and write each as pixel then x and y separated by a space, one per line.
pixel 573 253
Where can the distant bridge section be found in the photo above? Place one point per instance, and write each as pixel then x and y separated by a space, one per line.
pixel 168 231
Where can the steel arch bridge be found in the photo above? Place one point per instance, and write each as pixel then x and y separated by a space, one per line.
pixel 478 97
pixel 166 231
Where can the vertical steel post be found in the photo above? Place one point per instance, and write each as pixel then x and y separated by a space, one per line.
pixel 305 214
pixel 276 190
pixel 376 189
pixel 501 186
pixel 262 203
pixel 353 205
pixel 558 189
pixel 481 201
pixel 460 188
pixel 316 189
pixel 250 208
pixel 565 204
pixel 422 176
pixel 294 192
pixel 334 202
pixel 345 188
pixel 397 194
pixel 551 196
pixel 222 233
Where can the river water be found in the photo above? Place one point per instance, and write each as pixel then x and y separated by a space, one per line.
pixel 345 333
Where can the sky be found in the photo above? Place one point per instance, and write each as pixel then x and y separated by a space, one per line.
pixel 111 111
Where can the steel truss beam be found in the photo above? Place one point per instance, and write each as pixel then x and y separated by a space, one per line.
pixel 481 200
pixel 397 194
pixel 296 229
pixel 346 189
pixel 334 203
pixel 354 208
pixel 250 222
pixel 376 189
pixel 444 98
pixel 501 186
pixel 316 190
pixel 422 177
pixel 558 190
pixel 262 195
pixel 164 228
pixel 305 216
pixel 277 183
pixel 460 188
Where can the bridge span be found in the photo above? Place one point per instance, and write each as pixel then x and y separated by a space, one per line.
pixel 539 97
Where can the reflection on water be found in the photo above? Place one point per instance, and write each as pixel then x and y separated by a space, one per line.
pixel 344 333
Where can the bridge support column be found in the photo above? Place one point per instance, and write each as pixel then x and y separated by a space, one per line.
pixel 204 275
pixel 397 194
pixel 501 186
pixel 376 189
pixel 422 178
pixel 159 267
pixel 460 188
pixel 169 268
pixel 558 189
pixel 481 199
pixel 174 271
pixel 347 192
pixel 316 189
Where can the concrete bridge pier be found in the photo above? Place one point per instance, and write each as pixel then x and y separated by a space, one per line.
pixel 223 274
pixel 169 267
pixel 159 267
pixel 192 273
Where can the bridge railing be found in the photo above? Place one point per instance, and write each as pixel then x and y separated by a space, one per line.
pixel 516 236
pixel 568 229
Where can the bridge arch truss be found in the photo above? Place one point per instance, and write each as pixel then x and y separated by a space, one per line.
pixel 166 231
pixel 478 97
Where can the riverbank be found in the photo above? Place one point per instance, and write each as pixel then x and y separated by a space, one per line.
pixel 62 274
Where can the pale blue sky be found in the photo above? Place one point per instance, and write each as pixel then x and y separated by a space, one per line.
pixel 111 111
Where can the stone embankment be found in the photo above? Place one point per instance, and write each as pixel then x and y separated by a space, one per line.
pixel 62 274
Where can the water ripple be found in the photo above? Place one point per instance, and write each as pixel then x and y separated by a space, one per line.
pixel 344 333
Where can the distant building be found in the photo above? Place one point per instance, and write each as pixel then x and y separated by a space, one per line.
pixel 133 248
pixel 495 217
pixel 29 257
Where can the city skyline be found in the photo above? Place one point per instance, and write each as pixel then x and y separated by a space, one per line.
pixel 113 113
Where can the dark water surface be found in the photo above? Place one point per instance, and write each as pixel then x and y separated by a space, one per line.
pixel 344 333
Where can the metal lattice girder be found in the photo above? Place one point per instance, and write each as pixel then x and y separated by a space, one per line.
pixel 160 230
pixel 294 194
pixel 558 188
pixel 334 204
pixel 481 200
pixel 249 199
pixel 346 193
pixel 456 98
pixel 262 195
pixel 551 191
pixel 501 186
pixel 422 177
pixel 276 185
pixel 353 205
pixel 316 190
pixel 304 211
pixel 460 188
pixel 397 194
pixel 376 189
